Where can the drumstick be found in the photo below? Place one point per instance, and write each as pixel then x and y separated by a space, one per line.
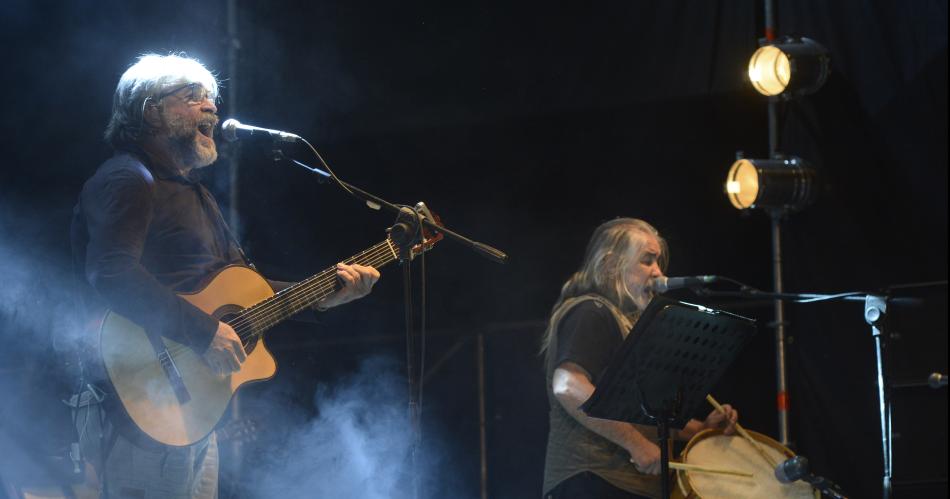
pixel 707 469
pixel 745 434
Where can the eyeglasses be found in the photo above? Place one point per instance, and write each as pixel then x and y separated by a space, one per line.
pixel 197 94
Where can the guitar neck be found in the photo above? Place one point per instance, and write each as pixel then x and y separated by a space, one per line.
pixel 274 310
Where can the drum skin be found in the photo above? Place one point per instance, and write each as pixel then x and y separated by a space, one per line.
pixel 712 448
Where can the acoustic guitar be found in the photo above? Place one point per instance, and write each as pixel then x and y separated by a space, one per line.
pixel 166 388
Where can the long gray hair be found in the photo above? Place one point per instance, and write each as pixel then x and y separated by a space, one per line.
pixel 614 246
pixel 144 81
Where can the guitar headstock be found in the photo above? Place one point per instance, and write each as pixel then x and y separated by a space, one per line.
pixel 429 236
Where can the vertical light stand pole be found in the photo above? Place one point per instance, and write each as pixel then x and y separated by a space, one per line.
pixel 875 310
pixel 234 44
pixel 776 215
pixel 780 368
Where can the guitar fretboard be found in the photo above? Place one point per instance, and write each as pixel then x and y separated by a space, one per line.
pixel 257 319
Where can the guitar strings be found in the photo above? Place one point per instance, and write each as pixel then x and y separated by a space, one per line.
pixel 268 309
pixel 302 292
pixel 261 320
pixel 290 296
pixel 264 312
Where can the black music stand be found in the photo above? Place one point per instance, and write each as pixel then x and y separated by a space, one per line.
pixel 666 366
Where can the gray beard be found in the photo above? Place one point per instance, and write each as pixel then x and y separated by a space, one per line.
pixel 181 141
pixel 641 300
pixel 189 154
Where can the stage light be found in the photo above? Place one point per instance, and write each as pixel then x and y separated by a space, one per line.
pixel 786 183
pixel 789 67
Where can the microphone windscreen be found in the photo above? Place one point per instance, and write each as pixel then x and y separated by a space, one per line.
pixel 229 129
pixel 792 469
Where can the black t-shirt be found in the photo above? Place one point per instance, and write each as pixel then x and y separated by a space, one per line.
pixel 588 336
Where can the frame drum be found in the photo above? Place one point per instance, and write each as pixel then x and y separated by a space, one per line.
pixel 712 448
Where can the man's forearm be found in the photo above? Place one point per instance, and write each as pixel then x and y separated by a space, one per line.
pixel 572 390
pixel 623 434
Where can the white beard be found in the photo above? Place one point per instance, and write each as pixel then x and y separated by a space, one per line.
pixel 642 299
pixel 187 144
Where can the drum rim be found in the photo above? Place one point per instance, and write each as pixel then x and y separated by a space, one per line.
pixel 712 432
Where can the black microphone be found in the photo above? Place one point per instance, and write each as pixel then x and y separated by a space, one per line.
pixel 792 469
pixel 663 284
pixel 233 129
pixel 796 468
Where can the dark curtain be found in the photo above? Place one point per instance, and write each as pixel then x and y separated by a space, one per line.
pixel 525 124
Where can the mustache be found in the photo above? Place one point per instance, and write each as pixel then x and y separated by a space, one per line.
pixel 183 124
pixel 209 119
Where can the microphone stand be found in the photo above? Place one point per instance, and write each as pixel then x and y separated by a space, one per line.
pixel 875 312
pixel 376 203
pixel 404 233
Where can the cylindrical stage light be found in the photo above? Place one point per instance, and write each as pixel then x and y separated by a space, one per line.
pixel 789 67
pixel 770 183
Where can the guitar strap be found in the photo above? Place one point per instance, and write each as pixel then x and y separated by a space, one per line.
pixel 223 224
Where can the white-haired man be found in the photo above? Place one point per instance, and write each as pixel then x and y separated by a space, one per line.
pixel 590 458
pixel 145 229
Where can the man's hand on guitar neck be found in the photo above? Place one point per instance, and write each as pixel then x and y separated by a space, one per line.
pixel 225 354
pixel 357 280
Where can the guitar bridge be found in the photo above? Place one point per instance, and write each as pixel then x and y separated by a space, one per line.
pixel 174 376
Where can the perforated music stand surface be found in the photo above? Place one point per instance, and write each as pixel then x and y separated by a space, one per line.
pixel 676 352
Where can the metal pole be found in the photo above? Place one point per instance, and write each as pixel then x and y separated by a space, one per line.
pixel 875 307
pixel 234 45
pixel 415 420
pixel 482 443
pixel 773 127
pixel 237 448
pixel 780 375
pixel 781 400
pixel 769 20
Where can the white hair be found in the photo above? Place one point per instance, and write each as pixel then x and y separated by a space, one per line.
pixel 144 81
pixel 614 246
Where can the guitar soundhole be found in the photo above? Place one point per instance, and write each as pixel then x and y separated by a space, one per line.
pixel 228 312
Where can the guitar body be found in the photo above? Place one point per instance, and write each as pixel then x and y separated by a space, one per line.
pixel 144 389
pixel 183 413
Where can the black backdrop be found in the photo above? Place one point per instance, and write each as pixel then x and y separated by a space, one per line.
pixel 524 125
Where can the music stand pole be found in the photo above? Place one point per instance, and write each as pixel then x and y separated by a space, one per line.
pixel 663 433
pixel 663 419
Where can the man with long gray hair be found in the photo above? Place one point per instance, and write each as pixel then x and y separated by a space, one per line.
pixel 143 230
pixel 589 457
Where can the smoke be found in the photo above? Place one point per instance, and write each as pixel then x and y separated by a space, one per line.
pixel 39 330
pixel 37 301
pixel 358 446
